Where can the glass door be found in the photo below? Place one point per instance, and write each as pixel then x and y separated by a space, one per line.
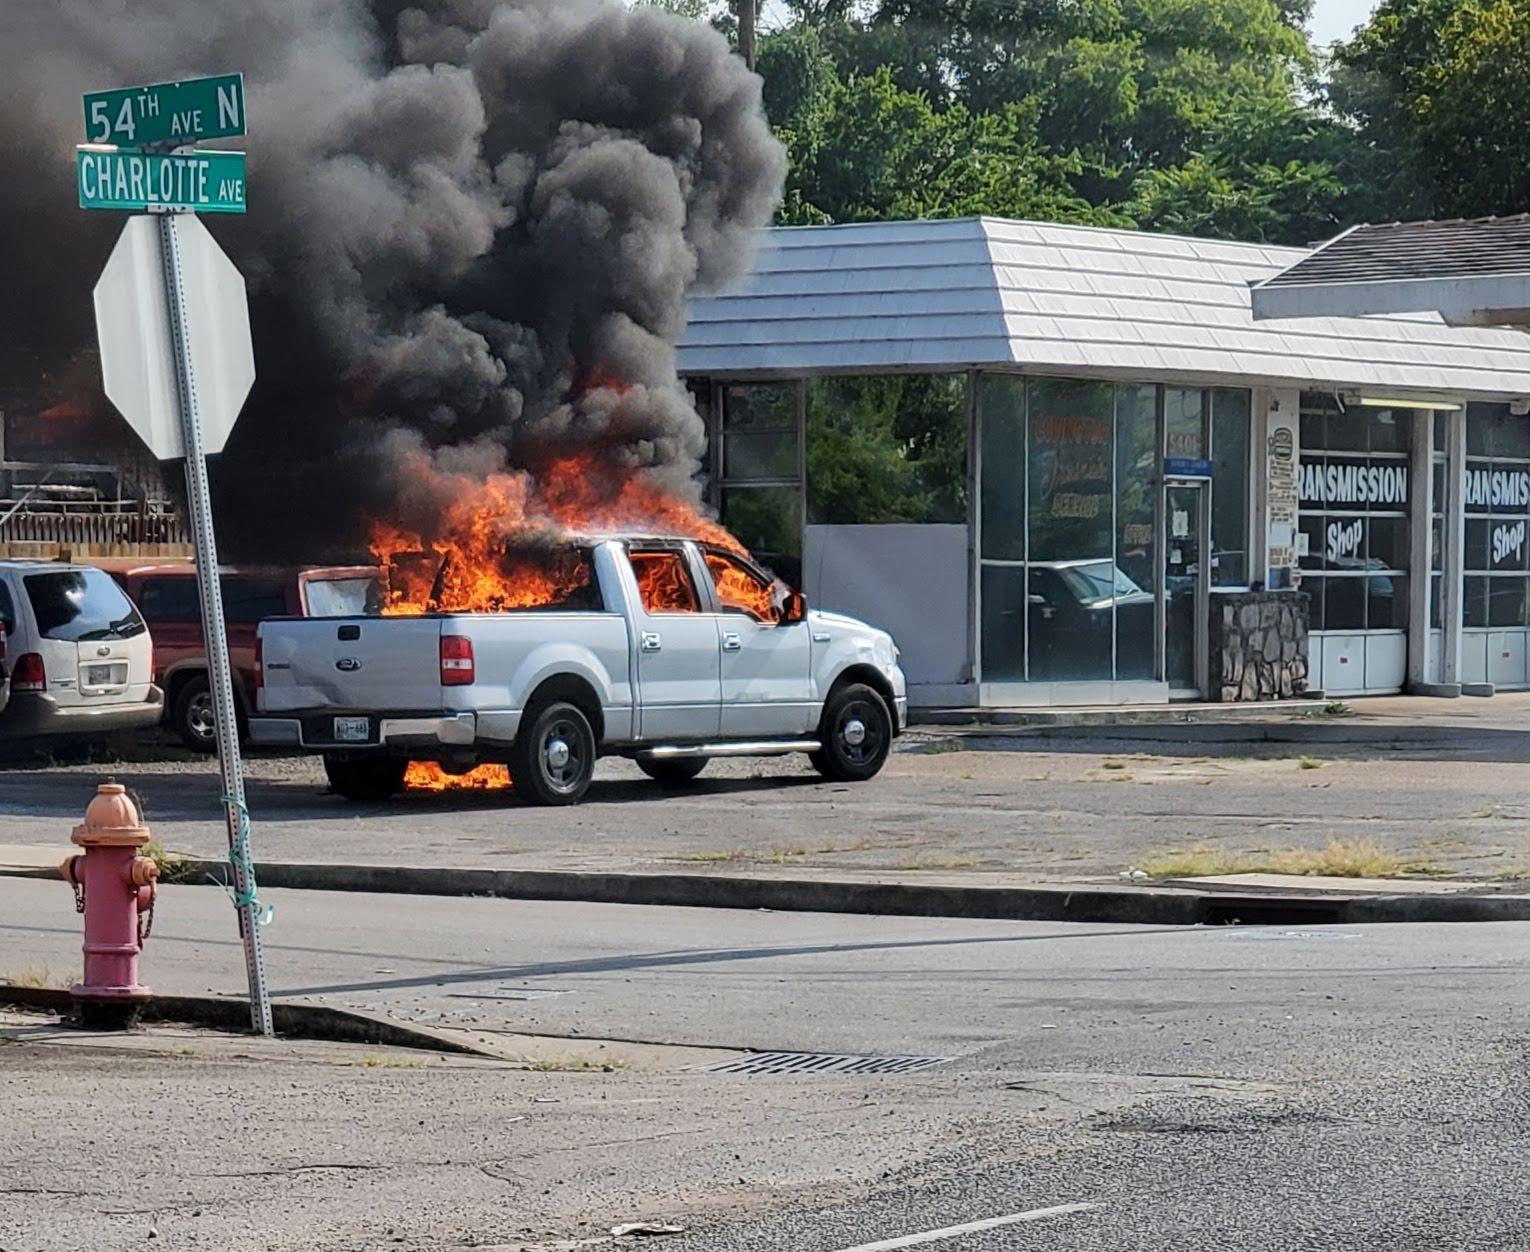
pixel 1184 583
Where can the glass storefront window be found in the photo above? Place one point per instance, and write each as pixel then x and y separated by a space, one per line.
pixel 1136 521
pixel 768 521
pixel 887 448
pixel 1070 623
pixel 1496 490
pixel 1184 423
pixel 1229 488
pixel 1353 530
pixel 1001 405
pixel 1003 625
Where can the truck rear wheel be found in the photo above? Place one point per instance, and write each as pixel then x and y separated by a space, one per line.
pixel 673 772
pixel 365 779
pixel 553 757
pixel 855 732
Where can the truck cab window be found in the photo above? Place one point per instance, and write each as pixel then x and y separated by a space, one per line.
pixel 664 582
pixel 741 590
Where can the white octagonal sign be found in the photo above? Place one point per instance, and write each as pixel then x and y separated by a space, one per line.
pixel 137 352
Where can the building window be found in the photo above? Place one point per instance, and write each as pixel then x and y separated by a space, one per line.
pixel 1353 517
pixel 1229 488
pixel 759 472
pixel 1496 493
pixel 887 448
pixel 1068 501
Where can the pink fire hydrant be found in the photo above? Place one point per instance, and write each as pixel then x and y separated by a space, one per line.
pixel 114 888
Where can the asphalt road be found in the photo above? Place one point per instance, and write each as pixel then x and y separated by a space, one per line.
pixel 1027 807
pixel 1348 1088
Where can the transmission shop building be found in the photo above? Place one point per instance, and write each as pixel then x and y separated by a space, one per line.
pixel 1064 465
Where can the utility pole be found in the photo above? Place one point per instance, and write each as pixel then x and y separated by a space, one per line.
pixel 746 31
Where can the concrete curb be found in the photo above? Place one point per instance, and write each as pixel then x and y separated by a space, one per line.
pixel 1170 905
pixel 295 1021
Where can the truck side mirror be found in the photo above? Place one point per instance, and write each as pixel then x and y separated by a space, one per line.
pixel 795 609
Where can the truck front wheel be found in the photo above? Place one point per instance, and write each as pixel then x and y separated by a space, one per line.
pixel 365 779
pixel 855 734
pixel 553 757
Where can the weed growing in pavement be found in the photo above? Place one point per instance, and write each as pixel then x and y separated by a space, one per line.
pixel 1114 765
pixel 171 864
pixel 386 1062
pixel 1308 762
pixel 1337 708
pixel 1340 858
pixel 703 856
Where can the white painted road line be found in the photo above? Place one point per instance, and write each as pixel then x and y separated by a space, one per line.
pixel 951 1232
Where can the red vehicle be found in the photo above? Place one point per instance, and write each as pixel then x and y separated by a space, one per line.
pixel 166 595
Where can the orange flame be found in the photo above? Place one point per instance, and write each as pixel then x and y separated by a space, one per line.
pixel 493 549
pixel 428 776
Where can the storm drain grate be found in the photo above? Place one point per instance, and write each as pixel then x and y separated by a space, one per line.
pixel 824 1063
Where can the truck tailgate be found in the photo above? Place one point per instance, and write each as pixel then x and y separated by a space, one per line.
pixel 356 663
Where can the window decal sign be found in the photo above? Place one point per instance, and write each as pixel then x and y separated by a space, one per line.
pixel 1355 482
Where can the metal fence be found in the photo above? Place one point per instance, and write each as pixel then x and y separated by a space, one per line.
pixel 98 527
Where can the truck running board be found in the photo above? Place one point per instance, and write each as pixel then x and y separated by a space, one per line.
pixel 767 747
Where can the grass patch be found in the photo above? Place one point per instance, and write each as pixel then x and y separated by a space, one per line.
pixel 1308 762
pixel 578 1065
pixel 37 976
pixel 386 1062
pixel 941 862
pixel 703 856
pixel 1340 858
pixel 1114 765
pixel 1337 708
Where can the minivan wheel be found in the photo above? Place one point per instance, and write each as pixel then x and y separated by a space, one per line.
pixel 191 716
pixel 673 772
pixel 855 733
pixel 365 779
pixel 553 757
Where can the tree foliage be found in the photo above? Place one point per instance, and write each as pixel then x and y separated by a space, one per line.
pixel 1195 115
pixel 1441 91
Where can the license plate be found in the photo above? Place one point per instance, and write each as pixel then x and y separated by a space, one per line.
pixel 352 730
pixel 100 675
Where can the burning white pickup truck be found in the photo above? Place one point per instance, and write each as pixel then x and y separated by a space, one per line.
pixel 667 651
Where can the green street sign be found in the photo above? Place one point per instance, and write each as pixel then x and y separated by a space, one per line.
pixel 205 182
pixel 181 113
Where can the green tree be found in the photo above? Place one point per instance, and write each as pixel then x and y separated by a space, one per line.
pixel 1441 91
pixel 1198 115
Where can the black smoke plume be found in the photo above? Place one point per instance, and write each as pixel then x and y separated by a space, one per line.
pixel 465 217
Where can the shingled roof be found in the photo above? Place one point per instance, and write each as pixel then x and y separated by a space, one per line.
pixel 1472 271
pixel 988 292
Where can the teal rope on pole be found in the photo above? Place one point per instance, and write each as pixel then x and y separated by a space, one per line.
pixel 239 858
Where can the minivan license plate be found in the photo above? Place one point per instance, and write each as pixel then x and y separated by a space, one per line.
pixel 352 730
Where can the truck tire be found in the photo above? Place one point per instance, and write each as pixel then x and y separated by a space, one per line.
pixel 191 716
pixel 365 779
pixel 856 732
pixel 553 757
pixel 675 772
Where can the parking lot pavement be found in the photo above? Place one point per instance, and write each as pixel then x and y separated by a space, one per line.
pixel 1033 807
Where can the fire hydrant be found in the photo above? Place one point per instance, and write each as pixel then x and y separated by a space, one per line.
pixel 115 889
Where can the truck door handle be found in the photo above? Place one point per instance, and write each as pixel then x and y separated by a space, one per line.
pixel 651 641
pixel 732 643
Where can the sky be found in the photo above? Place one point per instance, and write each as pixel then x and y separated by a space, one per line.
pixel 1337 19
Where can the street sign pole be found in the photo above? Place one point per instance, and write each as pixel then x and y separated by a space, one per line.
pixel 199 502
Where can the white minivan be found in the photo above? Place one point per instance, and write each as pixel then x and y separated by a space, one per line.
pixel 77 652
